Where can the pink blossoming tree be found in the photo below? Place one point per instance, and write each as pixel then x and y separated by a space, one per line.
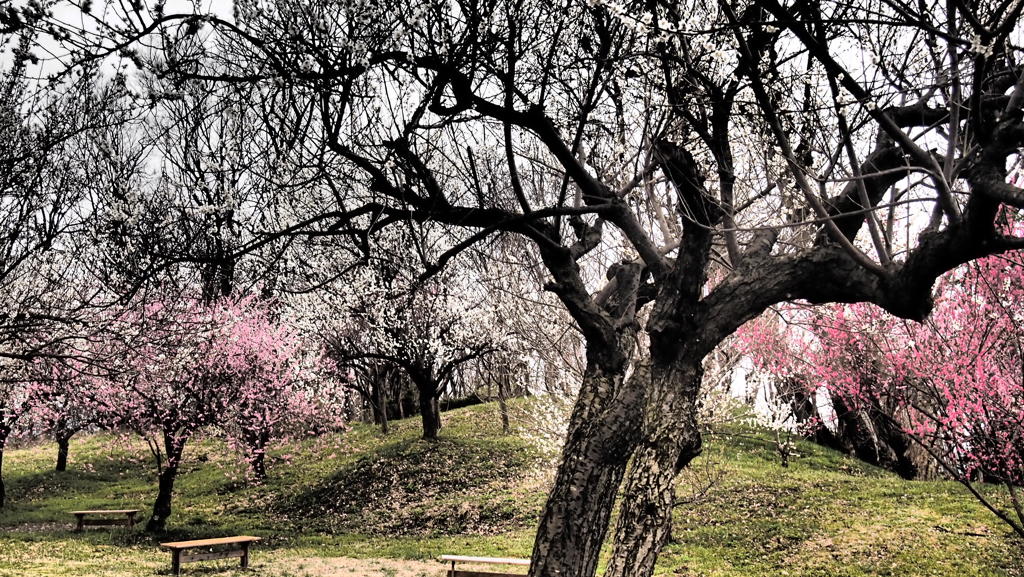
pixel 20 390
pixel 68 406
pixel 275 382
pixel 953 385
pixel 186 365
pixel 162 389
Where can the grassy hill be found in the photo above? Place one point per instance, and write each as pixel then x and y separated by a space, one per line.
pixel 367 504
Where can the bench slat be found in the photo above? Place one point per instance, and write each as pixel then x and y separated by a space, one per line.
pixel 462 573
pixel 106 512
pixel 104 522
pixel 211 556
pixel 495 560
pixel 210 542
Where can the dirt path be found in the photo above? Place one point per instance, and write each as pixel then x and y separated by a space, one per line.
pixel 349 567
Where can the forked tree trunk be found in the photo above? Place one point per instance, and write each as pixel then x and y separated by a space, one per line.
pixel 602 435
pixel 670 440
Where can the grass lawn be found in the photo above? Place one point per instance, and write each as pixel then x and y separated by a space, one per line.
pixel 367 504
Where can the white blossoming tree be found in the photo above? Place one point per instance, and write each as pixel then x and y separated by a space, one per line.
pixel 382 312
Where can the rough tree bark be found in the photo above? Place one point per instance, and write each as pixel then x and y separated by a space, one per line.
pixel 603 432
pixel 670 440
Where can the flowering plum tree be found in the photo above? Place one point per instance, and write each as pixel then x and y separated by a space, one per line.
pixel 953 384
pixel 68 406
pixel 784 345
pixel 162 388
pixel 270 372
pixel 428 330
pixel 183 365
pixel 20 390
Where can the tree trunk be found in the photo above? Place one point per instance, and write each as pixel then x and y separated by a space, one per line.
pixel 506 427
pixel 165 490
pixel 670 440
pixel 872 439
pixel 602 435
pixel 381 406
pixel 804 406
pixel 398 389
pixel 3 490
pixel 162 506
pixel 430 416
pixel 258 466
pixel 5 432
pixel 258 459
pixel 63 441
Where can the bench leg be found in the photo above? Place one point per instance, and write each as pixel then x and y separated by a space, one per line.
pixel 175 561
pixel 131 520
pixel 81 523
pixel 244 561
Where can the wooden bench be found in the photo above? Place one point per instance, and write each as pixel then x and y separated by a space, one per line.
pixel 128 521
pixel 483 560
pixel 242 551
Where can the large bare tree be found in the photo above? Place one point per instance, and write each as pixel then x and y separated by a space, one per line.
pixel 678 167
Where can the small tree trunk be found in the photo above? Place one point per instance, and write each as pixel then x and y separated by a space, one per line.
pixel 430 416
pixel 258 459
pixel 162 506
pixel 63 441
pixel 671 439
pixel 602 435
pixel 506 428
pixel 381 406
pixel 165 490
pixel 397 388
pixel 3 490
pixel 5 431
pixel 258 466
